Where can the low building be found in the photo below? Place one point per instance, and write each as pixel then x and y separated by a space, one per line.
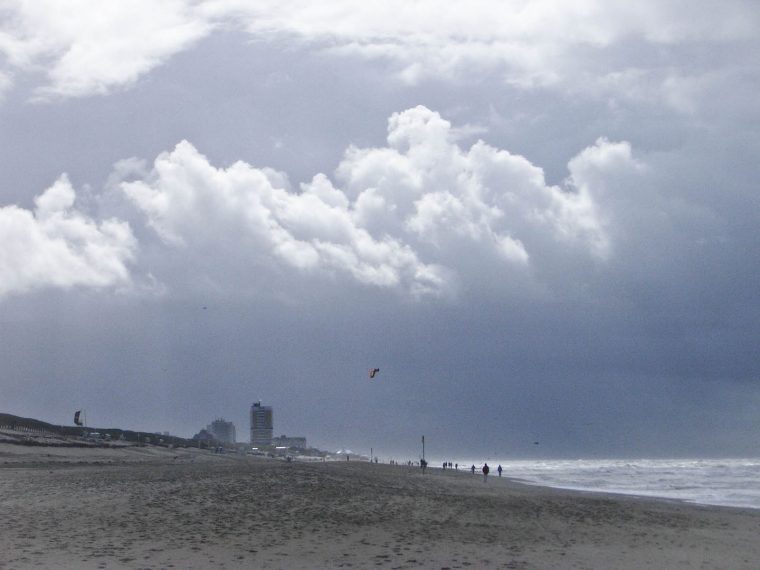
pixel 203 435
pixel 222 430
pixel 285 441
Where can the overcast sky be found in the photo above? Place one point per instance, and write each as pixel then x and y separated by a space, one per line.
pixel 539 219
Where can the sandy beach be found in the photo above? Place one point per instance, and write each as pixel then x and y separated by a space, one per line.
pixel 160 508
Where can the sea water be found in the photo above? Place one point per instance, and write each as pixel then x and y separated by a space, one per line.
pixel 724 482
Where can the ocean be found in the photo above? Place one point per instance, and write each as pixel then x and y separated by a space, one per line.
pixel 723 482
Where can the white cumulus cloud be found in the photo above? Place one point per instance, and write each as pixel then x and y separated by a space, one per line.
pixel 254 213
pixel 410 215
pixel 56 245
pixel 435 192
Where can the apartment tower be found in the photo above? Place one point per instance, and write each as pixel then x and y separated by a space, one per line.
pixel 261 424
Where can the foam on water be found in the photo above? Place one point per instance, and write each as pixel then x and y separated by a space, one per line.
pixel 724 482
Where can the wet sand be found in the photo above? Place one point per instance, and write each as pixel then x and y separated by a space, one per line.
pixel 156 508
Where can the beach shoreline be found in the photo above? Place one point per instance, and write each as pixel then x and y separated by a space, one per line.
pixel 153 507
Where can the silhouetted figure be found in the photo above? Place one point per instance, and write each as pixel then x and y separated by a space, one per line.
pixel 485 472
pixel 444 466
pixel 423 464
pixel 472 469
pixel 456 466
pixel 499 470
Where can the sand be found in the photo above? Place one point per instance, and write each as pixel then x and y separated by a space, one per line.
pixel 159 508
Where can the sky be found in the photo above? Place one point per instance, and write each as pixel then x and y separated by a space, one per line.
pixel 539 220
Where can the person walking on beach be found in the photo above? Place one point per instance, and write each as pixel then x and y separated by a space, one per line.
pixel 473 469
pixel 486 469
pixel 499 470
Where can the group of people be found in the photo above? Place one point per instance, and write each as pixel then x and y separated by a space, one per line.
pixel 486 470
pixel 408 463
pixel 449 465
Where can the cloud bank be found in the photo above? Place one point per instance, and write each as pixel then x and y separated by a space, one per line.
pixel 423 216
pixel 582 47
pixel 412 215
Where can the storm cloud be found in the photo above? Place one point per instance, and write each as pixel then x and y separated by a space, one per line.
pixel 538 221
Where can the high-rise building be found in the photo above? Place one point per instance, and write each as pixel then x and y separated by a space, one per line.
pixel 222 430
pixel 261 424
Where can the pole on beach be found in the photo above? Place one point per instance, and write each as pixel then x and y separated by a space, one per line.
pixel 423 447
